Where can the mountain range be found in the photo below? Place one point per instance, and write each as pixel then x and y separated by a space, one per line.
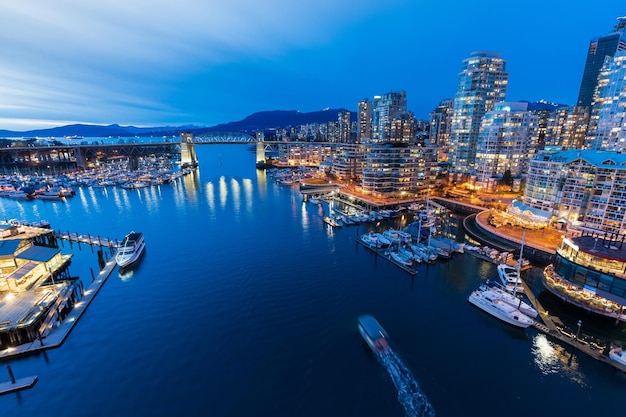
pixel 260 121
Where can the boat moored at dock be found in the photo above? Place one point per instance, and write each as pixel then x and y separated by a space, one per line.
pixel 373 333
pixel 130 250
pixel 486 300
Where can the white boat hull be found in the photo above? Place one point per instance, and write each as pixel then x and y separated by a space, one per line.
pixel 500 310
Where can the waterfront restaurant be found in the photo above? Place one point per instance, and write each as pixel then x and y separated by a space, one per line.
pixel 590 272
pixel 36 291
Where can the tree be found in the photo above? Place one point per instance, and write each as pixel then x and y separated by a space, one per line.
pixel 507 178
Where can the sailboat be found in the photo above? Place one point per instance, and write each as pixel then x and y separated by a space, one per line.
pixel 510 276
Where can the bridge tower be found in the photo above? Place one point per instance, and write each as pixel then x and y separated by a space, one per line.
pixel 187 150
pixel 260 147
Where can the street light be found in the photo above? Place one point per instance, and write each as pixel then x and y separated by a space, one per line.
pixel 580 323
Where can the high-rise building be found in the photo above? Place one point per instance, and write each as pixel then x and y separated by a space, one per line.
pixel 607 124
pixel 386 108
pixel 364 122
pixel 482 83
pixel 599 48
pixel 439 134
pixel 344 126
pixel 506 142
pixel 566 128
pixel 393 170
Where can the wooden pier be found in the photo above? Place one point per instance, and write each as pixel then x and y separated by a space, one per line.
pixel 87 239
pixel 552 326
pixel 381 252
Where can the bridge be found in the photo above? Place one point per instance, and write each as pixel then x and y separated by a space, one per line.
pixel 71 154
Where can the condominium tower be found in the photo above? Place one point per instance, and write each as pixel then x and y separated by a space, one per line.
pixel 482 83
pixel 599 48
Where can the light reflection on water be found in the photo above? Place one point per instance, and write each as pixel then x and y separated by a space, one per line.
pixel 223 191
pixel 248 192
pixel 210 197
pixel 552 358
pixel 236 190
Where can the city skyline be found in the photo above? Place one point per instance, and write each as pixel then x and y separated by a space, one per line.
pixel 205 64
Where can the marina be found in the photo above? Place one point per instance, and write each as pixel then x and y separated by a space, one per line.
pixel 298 304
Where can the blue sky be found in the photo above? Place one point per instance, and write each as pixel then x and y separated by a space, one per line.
pixel 149 63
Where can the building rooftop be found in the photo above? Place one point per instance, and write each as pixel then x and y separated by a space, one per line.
pixel 602 248
pixel 600 159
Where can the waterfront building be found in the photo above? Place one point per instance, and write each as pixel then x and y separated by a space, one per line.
pixel 36 289
pixel 584 188
pixel 507 140
pixel 349 161
pixel 393 170
pixel 607 124
pixel 386 108
pixel 439 128
pixel 600 47
pixel 589 271
pixel 482 83
pixel 364 121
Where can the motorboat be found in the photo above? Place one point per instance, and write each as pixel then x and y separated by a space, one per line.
pixel 397 236
pixel 510 278
pixel 373 333
pixel 375 240
pixel 512 300
pixel 50 194
pixel 130 250
pixel 618 355
pixel 401 258
pixel 485 299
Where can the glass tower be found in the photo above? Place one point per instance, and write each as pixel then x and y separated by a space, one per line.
pixel 599 48
pixel 482 83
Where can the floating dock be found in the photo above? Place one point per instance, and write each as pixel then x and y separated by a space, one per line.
pixel 381 252
pixel 18 385
pixel 56 336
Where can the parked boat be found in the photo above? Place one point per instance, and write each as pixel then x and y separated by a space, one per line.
pixel 513 300
pixel 510 278
pixel 373 333
pixel 50 194
pixel 131 249
pixel 486 300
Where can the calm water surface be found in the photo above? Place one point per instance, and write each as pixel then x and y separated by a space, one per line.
pixel 246 304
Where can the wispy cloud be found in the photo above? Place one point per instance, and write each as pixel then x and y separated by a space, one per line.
pixel 99 60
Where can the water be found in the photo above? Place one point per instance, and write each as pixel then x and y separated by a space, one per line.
pixel 246 304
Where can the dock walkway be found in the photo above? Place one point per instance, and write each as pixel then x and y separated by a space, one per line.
pixel 381 252
pixel 57 336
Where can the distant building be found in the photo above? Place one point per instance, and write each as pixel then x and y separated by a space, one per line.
pixel 344 126
pixel 386 108
pixel 439 128
pixel 607 124
pixel 566 128
pixel 482 83
pixel 364 121
pixel 506 141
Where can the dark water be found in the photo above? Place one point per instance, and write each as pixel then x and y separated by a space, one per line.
pixel 245 304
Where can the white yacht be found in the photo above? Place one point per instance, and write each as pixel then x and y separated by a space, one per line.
pixel 130 250
pixel 486 300
pixel 510 278
pixel 513 300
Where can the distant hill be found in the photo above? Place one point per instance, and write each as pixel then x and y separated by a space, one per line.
pixel 261 121
pixel 276 119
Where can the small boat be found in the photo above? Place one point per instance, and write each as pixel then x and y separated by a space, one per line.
pixel 130 250
pixel 510 278
pixel 50 194
pixel 371 240
pixel 618 356
pixel 486 300
pixel 332 221
pixel 373 333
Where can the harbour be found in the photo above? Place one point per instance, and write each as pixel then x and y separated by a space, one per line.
pixel 174 335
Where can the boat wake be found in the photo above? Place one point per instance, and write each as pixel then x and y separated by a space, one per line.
pixel 410 395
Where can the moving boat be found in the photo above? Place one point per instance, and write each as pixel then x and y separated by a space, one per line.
pixel 510 278
pixel 618 355
pixel 513 300
pixel 131 249
pixel 485 299
pixel 373 333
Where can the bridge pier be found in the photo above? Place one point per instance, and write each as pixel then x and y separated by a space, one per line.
pixel 187 150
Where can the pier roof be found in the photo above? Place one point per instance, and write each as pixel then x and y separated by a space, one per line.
pixel 39 253
pixel 8 247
